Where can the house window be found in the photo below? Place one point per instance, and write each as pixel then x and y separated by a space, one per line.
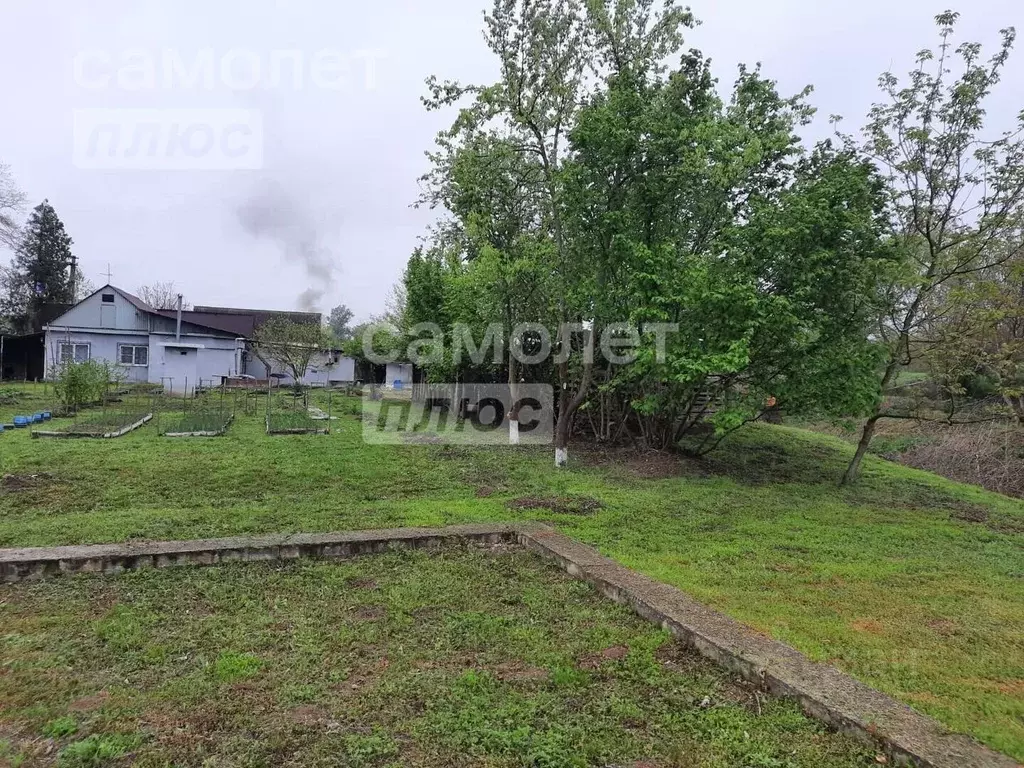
pixel 74 353
pixel 108 298
pixel 133 354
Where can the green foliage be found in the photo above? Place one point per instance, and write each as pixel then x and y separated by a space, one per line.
pixel 40 273
pixel 98 750
pixel 956 203
pixel 645 199
pixel 231 666
pixel 80 384
pixel 62 726
pixel 286 344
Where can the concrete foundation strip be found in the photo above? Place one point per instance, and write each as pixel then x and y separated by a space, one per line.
pixel 822 691
pixel 106 435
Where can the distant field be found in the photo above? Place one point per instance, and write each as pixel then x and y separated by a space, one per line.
pixel 910 582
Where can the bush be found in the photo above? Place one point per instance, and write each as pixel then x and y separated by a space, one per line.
pixel 980 386
pixel 79 384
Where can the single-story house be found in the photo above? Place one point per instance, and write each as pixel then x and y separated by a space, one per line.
pixel 177 349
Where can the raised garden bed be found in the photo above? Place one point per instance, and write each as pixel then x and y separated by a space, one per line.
pixel 200 425
pixel 293 423
pixel 99 427
pixel 406 658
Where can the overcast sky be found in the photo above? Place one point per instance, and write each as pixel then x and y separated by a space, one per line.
pixel 336 156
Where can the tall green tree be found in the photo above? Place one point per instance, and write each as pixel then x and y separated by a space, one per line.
pixel 340 322
pixel 42 271
pixel 956 194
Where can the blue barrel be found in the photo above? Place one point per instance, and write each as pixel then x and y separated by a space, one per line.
pixel 20 421
pixel 1 428
pixel 47 415
pixel 37 417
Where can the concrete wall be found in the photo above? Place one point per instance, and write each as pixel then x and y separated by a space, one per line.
pixel 179 366
pixel 318 373
pixel 398 372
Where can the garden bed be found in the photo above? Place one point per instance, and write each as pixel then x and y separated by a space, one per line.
pixel 200 425
pixel 99 427
pixel 407 658
pixel 293 423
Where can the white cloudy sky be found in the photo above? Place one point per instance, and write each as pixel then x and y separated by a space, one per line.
pixel 346 160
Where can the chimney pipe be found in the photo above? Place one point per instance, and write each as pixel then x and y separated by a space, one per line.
pixel 177 333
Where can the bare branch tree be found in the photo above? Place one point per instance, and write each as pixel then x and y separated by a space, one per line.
pixel 12 204
pixel 161 296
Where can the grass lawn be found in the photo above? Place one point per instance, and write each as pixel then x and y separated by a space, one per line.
pixel 454 658
pixel 912 583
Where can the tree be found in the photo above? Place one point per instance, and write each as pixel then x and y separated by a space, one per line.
pixel 340 322
pixel 12 203
pixel 289 344
pixel 956 198
pixel 41 272
pixel 546 50
pixel 161 296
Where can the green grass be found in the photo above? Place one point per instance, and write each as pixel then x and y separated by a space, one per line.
pixel 442 659
pixel 912 583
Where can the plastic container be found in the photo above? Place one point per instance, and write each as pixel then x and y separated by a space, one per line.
pixel 47 415
pixel 37 418
pixel 20 421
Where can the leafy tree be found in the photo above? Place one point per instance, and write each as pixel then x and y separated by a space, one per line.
pixel 340 322
pixel 546 51
pixel 955 195
pixel 161 295
pixel 290 345
pixel 40 273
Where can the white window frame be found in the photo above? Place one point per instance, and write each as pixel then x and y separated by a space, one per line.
pixel 135 355
pixel 74 346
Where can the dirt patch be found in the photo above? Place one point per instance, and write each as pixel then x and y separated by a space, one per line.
pixel 562 505
pixel 944 627
pixel 595 660
pixel 309 715
pixel 361 582
pixel 971 514
pixel 370 612
pixel 1013 688
pixel 25 482
pixel 484 491
pixel 870 626
pixel 90 703
pixel 426 613
pixel 518 671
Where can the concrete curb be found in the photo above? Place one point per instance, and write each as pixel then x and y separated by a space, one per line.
pixel 823 692
pixel 89 435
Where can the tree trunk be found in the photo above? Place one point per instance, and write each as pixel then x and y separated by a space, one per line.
pixel 567 404
pixel 853 471
pixel 513 391
pixel 1016 404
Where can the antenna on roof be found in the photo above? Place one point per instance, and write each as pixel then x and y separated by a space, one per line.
pixel 109 275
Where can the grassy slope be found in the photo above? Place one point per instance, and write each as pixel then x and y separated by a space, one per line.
pixel 890 581
pixel 402 659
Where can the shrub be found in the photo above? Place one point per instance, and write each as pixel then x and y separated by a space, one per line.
pixel 79 384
